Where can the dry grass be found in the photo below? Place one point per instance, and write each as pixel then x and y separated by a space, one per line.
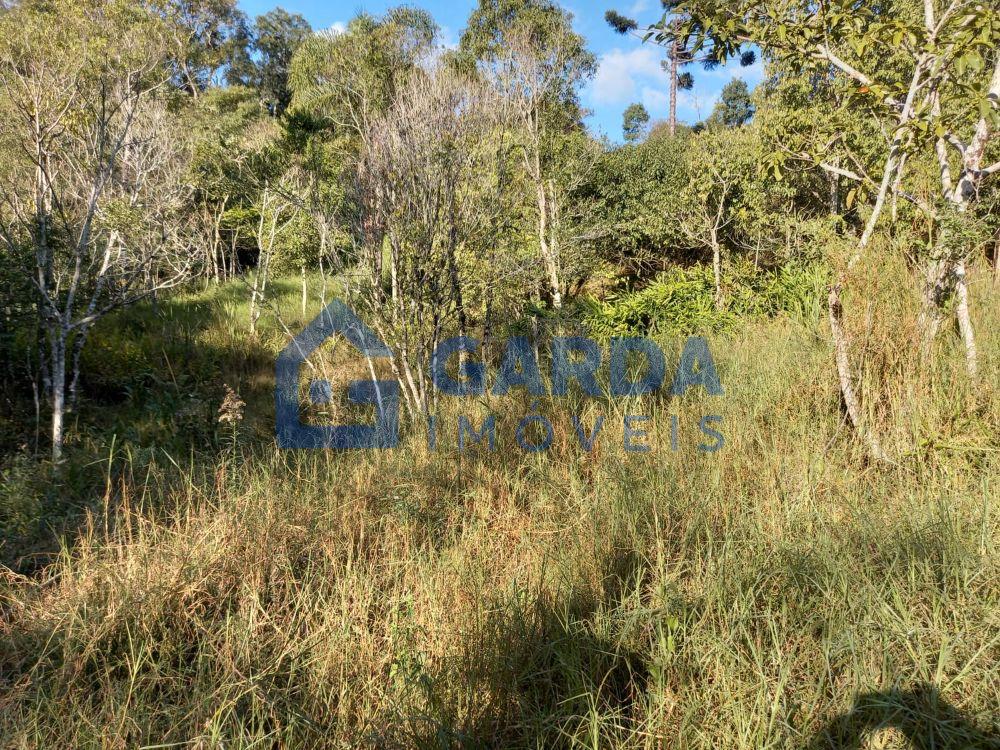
pixel 409 598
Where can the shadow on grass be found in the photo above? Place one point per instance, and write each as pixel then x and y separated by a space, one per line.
pixel 152 379
pixel 556 673
pixel 922 715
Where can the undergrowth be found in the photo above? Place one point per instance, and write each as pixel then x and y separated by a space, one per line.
pixel 781 592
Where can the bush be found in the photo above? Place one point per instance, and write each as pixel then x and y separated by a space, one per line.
pixel 21 493
pixel 681 300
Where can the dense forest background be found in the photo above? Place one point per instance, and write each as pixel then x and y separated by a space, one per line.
pixel 184 188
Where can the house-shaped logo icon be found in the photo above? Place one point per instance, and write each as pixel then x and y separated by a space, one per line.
pixel 384 394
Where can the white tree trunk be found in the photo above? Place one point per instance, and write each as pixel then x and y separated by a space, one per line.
pixel 544 244
pixel 58 376
pixel 717 268
pixel 965 321
pixel 304 291
pixel 254 307
pixel 946 270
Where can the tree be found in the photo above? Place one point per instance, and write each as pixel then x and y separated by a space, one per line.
pixel 348 80
pixel 319 186
pixel 634 122
pixel 275 214
pixel 929 75
pixel 735 107
pixel 679 53
pixel 529 52
pixel 633 194
pixel 624 25
pixel 204 36
pixel 96 186
pixel 723 194
pixel 421 184
pixel 219 123
pixel 342 85
pixel 267 55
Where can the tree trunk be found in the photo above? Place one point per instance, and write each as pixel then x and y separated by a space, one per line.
pixel 58 374
pixel 551 268
pixel 253 303
pixel 218 250
pixel 841 344
pixel 936 285
pixel 841 339
pixel 322 261
pixel 996 263
pixel 948 272
pixel 965 322
pixel 305 298
pixel 79 340
pixel 674 60
pixel 717 268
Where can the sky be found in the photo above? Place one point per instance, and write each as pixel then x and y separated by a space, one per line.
pixel 627 70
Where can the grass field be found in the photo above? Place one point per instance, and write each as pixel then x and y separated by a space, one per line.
pixel 782 592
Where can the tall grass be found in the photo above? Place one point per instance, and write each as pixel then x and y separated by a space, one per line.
pixel 750 598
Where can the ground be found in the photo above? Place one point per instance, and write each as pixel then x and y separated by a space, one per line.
pixel 782 592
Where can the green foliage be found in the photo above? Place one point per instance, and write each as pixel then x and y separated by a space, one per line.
pixel 857 60
pixel 92 40
pixel 21 492
pixel 735 106
pixel 350 78
pixel 681 300
pixel 727 200
pixel 561 52
pixel 667 34
pixel 620 23
pixel 223 118
pixel 635 194
pixel 267 56
pixel 296 244
pixel 634 122
pixel 207 36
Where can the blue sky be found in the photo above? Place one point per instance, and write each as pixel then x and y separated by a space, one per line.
pixel 628 70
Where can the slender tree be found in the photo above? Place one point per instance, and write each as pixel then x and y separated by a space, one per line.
pixel 634 122
pixel 679 53
pixel 97 186
pixel 266 55
pixel 529 52
pixel 929 74
pixel 735 107
pixel 203 38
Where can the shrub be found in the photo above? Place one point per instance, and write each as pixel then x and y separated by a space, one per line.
pixel 681 300
pixel 21 492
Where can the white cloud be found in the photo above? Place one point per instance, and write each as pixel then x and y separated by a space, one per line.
pixel 752 74
pixel 698 106
pixel 619 74
pixel 638 7
pixel 635 75
pixel 339 27
pixel 656 101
